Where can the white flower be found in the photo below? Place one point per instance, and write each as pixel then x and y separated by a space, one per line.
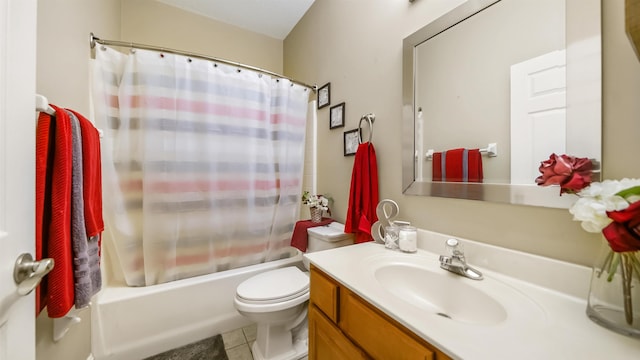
pixel 598 198
pixel 315 201
pixel 592 213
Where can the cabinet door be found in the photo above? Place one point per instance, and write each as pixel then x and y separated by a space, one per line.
pixel 326 341
pixel 324 294
pixel 380 338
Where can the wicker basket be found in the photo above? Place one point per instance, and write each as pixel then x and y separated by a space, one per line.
pixel 316 214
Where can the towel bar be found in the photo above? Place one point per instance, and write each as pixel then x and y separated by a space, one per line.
pixel 61 325
pixel 42 105
pixel 370 118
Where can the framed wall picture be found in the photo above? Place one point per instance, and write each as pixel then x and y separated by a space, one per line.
pixel 336 116
pixel 351 142
pixel 324 95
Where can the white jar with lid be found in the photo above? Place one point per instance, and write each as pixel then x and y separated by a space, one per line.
pixel 408 239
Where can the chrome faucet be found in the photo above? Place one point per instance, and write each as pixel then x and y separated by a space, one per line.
pixel 456 262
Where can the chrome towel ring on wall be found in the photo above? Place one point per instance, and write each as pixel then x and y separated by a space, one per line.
pixel 370 118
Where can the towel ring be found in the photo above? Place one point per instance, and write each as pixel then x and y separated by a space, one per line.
pixel 370 118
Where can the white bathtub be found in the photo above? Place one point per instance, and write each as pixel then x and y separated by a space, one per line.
pixel 131 323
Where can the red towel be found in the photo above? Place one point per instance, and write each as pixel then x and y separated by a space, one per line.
pixel 436 165
pixel 91 176
pixel 457 165
pixel 299 238
pixel 44 165
pixel 454 167
pixel 363 195
pixel 53 212
pixel 474 167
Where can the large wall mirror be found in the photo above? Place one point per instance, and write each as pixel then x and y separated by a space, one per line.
pixel 516 79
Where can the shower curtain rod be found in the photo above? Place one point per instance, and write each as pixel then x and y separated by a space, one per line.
pixel 93 40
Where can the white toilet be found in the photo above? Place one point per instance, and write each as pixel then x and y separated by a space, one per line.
pixel 277 301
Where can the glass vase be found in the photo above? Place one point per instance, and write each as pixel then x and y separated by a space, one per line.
pixel 316 214
pixel 614 295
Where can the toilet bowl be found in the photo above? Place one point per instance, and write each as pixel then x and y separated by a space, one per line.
pixel 277 301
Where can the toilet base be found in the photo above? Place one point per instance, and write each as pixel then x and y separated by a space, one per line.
pixel 284 343
pixel 300 350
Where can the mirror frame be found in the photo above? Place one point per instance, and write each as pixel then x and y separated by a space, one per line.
pixel 585 25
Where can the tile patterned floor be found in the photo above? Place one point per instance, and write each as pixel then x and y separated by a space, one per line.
pixel 237 343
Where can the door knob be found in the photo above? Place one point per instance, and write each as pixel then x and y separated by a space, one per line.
pixel 28 273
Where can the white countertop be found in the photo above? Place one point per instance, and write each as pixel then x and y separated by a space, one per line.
pixel 545 302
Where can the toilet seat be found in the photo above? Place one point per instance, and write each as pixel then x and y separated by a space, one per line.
pixel 274 286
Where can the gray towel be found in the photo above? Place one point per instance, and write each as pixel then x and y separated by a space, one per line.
pixel 86 261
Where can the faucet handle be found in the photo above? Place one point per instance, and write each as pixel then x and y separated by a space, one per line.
pixel 444 260
pixel 454 247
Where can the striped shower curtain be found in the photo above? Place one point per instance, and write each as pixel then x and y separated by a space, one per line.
pixel 202 163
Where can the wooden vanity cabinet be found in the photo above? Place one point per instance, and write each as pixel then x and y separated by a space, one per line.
pixel 326 341
pixel 342 325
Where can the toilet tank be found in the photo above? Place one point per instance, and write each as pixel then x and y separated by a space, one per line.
pixel 328 237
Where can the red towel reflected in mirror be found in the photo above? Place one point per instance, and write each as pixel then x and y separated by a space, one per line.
pixel 457 165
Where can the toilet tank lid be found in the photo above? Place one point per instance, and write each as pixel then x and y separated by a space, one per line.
pixel 331 232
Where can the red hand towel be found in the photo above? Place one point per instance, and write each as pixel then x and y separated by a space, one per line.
pixel 436 167
pixel 60 279
pixel 299 238
pixel 474 166
pixel 453 167
pixel 363 195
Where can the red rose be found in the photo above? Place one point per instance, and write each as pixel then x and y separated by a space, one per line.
pixel 623 233
pixel 571 173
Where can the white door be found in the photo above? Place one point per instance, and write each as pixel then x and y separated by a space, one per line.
pixel 538 114
pixel 17 172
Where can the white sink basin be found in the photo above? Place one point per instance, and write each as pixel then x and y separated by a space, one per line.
pixel 441 293
pixel 418 281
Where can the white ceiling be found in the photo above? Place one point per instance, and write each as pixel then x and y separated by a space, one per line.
pixel 274 18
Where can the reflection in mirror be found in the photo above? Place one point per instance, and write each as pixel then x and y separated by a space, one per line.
pixel 491 89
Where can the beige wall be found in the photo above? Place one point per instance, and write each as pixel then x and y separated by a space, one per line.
pixel 357 47
pixel 62 75
pixel 62 66
pixel 152 22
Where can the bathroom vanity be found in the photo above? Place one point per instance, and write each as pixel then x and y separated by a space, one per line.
pixel 369 302
pixel 342 325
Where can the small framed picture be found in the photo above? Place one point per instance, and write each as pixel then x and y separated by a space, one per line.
pixel 336 116
pixel 351 142
pixel 324 95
